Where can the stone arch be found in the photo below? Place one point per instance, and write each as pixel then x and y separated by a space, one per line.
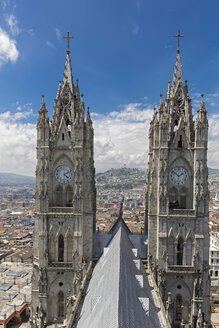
pixel 185 192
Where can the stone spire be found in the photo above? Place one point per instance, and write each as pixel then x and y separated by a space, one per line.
pixel 43 116
pixel 68 72
pixel 202 114
pixel 59 90
pixel 177 74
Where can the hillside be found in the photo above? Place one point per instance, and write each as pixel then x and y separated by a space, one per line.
pixel 123 178
pixel 11 179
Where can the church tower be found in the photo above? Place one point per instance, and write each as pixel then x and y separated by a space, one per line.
pixel 176 206
pixel 65 202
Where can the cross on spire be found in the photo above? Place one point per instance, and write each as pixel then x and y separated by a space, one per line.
pixel 68 37
pixel 178 36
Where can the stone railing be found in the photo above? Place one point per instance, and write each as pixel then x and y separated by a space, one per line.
pixel 178 268
pixel 182 212
pixel 61 209
pixel 60 264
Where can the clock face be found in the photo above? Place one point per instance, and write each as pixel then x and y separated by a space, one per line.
pixel 64 174
pixel 179 176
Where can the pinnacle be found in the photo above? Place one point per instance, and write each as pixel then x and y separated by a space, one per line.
pixel 68 73
pixel 177 74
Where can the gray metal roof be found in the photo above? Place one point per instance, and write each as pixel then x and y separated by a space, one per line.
pixel 119 293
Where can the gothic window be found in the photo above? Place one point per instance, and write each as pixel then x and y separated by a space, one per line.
pixel 51 248
pixel 182 200
pixel 61 249
pixel 189 252
pixel 59 193
pixel 69 248
pixel 69 196
pixel 173 195
pixel 61 304
pixel 63 136
pixel 173 198
pixel 171 251
pixel 180 251
pixel 178 309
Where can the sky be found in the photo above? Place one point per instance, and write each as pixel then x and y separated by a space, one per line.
pixel 123 54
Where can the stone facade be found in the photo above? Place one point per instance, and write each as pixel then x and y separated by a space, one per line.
pixel 176 205
pixel 65 203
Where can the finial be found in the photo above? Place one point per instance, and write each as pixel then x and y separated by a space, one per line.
pixel 68 37
pixel 178 36
pixel 77 81
pixel 202 95
pixel 161 95
pixel 43 98
pixel 82 97
pixel 186 81
pixel 88 109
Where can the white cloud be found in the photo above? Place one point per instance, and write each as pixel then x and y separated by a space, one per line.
pixel 213 144
pixel 13 24
pixel 8 50
pixel 121 137
pixel 50 44
pixel 18 143
pixel 138 5
pixel 135 29
pixel 5 4
pixel 30 32
pixel 58 34
pixel 8 116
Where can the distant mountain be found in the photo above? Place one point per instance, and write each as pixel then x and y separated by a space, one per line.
pixel 213 171
pixel 11 179
pixel 123 178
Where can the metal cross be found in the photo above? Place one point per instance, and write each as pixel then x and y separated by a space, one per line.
pixel 68 37
pixel 178 36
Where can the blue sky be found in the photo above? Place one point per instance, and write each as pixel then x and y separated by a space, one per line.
pixel 123 54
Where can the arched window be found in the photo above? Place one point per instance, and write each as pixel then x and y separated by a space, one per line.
pixel 178 308
pixel 61 249
pixel 69 196
pixel 173 198
pixel 180 251
pixel 182 200
pixel 189 252
pixel 171 251
pixel 61 304
pixel 69 248
pixel 173 195
pixel 59 196
pixel 51 248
